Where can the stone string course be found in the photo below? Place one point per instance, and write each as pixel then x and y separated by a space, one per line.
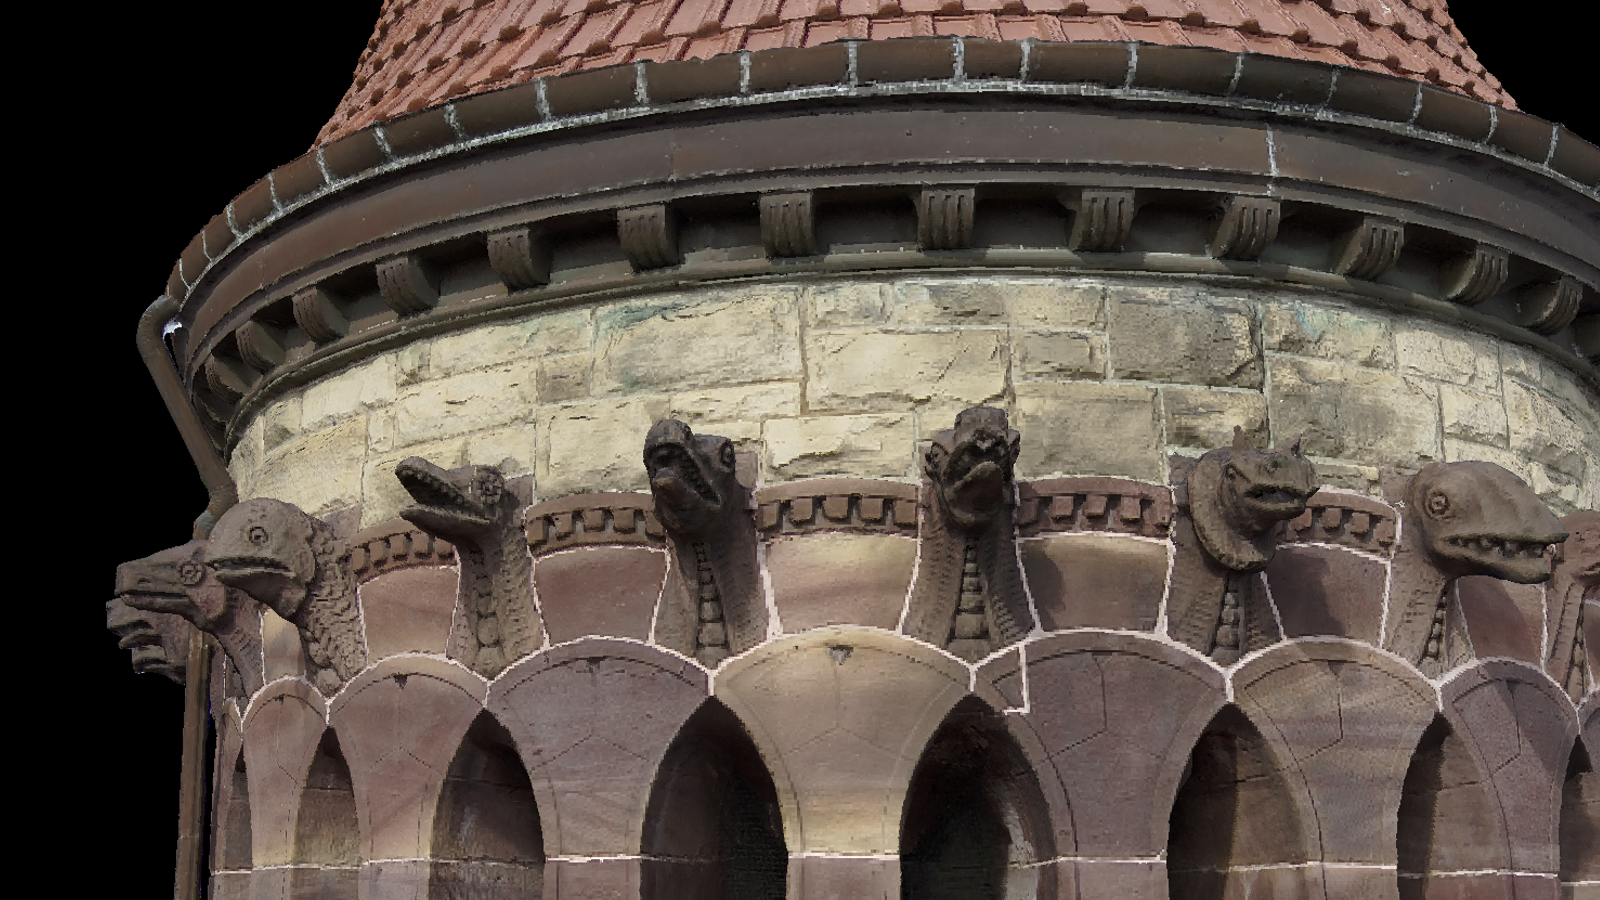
pixel 1103 375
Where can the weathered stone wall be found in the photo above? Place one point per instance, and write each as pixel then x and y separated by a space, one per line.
pixel 1103 375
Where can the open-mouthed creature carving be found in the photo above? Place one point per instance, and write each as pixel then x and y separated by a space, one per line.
pixel 159 641
pixel 969 596
pixel 293 565
pixel 1230 507
pixel 712 606
pixel 176 581
pixel 495 622
pixel 1574 578
pixel 1461 518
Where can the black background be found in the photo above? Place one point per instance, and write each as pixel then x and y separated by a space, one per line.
pixel 154 117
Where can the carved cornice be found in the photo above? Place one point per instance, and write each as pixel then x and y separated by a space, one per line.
pixel 586 520
pixel 408 284
pixel 520 256
pixel 317 312
pixel 1476 276
pixel 393 545
pixel 944 218
pixel 1093 504
pixel 1246 227
pixel 1548 308
pixel 859 505
pixel 1349 520
pixel 649 236
pixel 1100 220
pixel 789 223
pixel 1370 249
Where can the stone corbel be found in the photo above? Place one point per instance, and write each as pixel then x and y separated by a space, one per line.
pixel 227 378
pixel 1247 226
pixel 407 284
pixel 1474 277
pixel 318 313
pixel 789 224
pixel 1547 308
pixel 260 346
pixel 944 218
pixel 1101 220
pixel 520 256
pixel 1370 249
pixel 649 236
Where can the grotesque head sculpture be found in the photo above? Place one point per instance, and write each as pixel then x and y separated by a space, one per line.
pixel 175 581
pixel 971 466
pixel 692 476
pixel 460 501
pixel 265 548
pixel 159 642
pixel 1475 518
pixel 1238 493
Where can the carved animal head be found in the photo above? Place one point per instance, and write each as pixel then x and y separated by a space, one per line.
pixel 972 464
pixel 692 476
pixel 176 581
pixel 1238 493
pixel 266 549
pixel 1475 518
pixel 462 501
pixel 159 641
pixel 1580 553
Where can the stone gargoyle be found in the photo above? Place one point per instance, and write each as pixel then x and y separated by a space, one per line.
pixel 712 606
pixel 159 642
pixel 177 582
pixel 1574 579
pixel 1460 518
pixel 496 622
pixel 295 566
pixel 969 596
pixel 1229 509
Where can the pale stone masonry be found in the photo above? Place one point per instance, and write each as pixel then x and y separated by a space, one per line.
pixel 1105 375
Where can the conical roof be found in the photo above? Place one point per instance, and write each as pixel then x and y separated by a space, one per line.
pixel 424 52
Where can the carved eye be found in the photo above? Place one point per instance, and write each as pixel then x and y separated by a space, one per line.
pixel 258 536
pixel 1438 503
pixel 191 573
pixel 725 454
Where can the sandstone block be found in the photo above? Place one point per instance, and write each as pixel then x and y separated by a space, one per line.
pixel 1448 354
pixel 856 371
pixel 874 446
pixel 409 610
pixel 559 379
pixel 568 331
pixel 380 431
pixel 443 407
pixel 1088 429
pixel 280 422
pixel 1327 332
pixel 411 363
pixel 596 446
pixel 754 332
pixel 1327 590
pixel 382 497
pixel 244 463
pixel 1096 580
pixel 599 591
pixel 847 303
pixel 1545 430
pixel 1559 492
pixel 949 303
pixel 343 394
pixel 1059 354
pixel 1350 476
pixel 1162 334
pixel 320 472
pixel 1457 451
pixel 1196 417
pixel 1349 412
pixel 1472 415
pixel 807 571
pixel 736 412
pixel 1531 369
pixel 510 449
pixel 1055 303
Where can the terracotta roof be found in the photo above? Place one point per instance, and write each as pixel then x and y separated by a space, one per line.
pixel 424 52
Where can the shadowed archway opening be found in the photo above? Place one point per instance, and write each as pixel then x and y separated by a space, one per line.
pixel 487 840
pixel 975 823
pixel 1580 820
pixel 326 834
pixel 233 821
pixel 1447 824
pixel 713 830
pixel 1234 828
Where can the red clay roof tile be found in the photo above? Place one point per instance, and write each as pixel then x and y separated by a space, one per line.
pixel 423 53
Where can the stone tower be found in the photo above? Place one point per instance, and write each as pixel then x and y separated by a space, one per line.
pixel 749 450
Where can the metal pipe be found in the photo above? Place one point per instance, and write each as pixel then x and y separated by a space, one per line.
pixel 222 494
